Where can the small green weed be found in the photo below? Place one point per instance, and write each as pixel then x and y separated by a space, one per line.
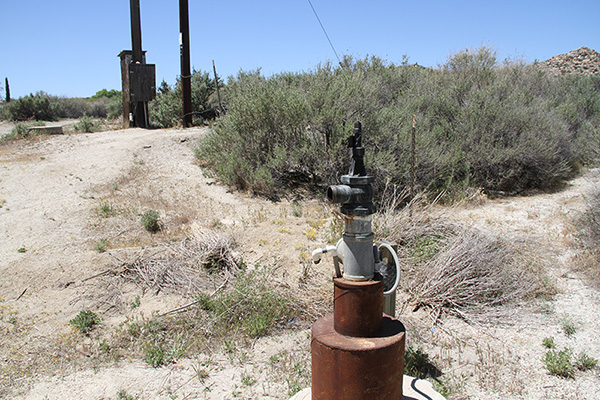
pixel 569 326
pixel 253 306
pixel 21 249
pixel 136 302
pixel 297 209
pixel 101 245
pixel 151 221
pixel 247 380
pixel 85 321
pixel 201 374
pixel 105 209
pixel 155 356
pixel 559 362
pixel 549 343
pixel 417 363
pixel 104 346
pixel 585 362
pixel 123 395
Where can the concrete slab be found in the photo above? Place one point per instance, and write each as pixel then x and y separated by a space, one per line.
pixel 412 389
pixel 48 130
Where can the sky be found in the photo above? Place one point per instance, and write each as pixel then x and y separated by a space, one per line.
pixel 70 48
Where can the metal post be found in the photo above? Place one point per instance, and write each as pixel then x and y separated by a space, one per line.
pixel 186 74
pixel 217 86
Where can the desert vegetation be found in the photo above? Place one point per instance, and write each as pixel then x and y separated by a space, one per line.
pixel 501 126
pixel 42 106
pixel 190 276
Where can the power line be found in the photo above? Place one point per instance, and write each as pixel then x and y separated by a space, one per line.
pixel 325 32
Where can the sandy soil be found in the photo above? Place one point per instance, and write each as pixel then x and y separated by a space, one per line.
pixel 52 191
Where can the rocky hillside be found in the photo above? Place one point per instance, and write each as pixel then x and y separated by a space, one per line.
pixel 583 61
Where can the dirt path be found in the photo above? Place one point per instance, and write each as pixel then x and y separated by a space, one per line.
pixel 56 195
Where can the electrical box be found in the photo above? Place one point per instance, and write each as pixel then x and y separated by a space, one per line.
pixel 142 82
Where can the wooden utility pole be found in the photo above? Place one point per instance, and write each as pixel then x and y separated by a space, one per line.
pixel 186 74
pixel 136 31
pixel 139 106
pixel 217 86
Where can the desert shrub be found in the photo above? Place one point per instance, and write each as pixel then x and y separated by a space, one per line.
pixel 44 107
pixel 20 131
pixel 151 220
pixel 473 274
pixel 37 106
pixel 85 321
pixel 115 108
pixel 559 363
pixel 165 109
pixel 480 123
pixel 85 124
pixel 585 362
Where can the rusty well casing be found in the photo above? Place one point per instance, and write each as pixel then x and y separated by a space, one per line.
pixel 356 368
pixel 357 352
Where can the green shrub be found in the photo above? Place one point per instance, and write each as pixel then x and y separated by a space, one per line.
pixel 37 106
pixel 559 363
pixel 417 363
pixel 85 124
pixel 151 221
pixel 44 107
pixel 165 109
pixel 569 326
pixel 502 127
pixel 21 130
pixel 101 245
pixel 85 321
pixel 252 307
pixel 585 362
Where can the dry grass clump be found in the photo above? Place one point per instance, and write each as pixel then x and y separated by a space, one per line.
pixel 451 267
pixel 474 272
pixel 196 263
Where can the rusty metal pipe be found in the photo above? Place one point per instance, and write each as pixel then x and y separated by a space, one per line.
pixel 358 307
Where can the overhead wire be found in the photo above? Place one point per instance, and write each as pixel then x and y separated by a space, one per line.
pixel 325 32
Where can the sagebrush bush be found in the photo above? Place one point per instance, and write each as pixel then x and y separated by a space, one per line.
pixel 165 109
pixel 85 124
pixel 501 127
pixel 44 107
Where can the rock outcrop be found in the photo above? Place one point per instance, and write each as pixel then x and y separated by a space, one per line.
pixel 582 61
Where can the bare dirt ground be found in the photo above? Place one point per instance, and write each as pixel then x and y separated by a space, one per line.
pixel 56 192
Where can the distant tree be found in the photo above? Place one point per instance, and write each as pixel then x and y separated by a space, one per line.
pixel 108 94
pixel 7 87
pixel 164 87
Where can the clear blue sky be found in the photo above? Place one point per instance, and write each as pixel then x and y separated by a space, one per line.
pixel 70 48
